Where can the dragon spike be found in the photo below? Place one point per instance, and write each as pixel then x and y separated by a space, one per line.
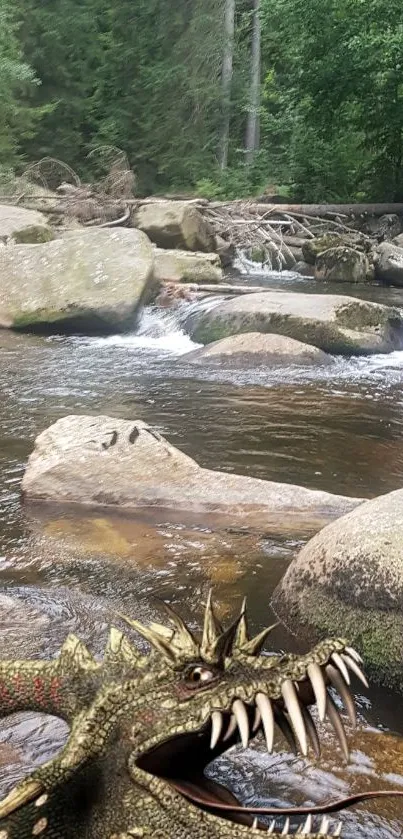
pixel 242 637
pixel 224 644
pixel 212 630
pixel 183 637
pixel 254 646
pixel 157 640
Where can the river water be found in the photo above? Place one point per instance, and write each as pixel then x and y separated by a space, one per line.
pixel 339 428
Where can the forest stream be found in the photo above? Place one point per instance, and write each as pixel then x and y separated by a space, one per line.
pixel 336 428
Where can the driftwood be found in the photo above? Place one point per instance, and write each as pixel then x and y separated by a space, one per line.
pixel 328 210
pixel 220 288
pixel 271 234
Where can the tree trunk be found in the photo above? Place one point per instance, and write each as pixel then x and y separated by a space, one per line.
pixel 252 140
pixel 226 81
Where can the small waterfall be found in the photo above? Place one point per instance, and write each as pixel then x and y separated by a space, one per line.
pixel 163 330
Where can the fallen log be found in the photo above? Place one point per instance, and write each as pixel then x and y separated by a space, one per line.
pixel 222 288
pixel 328 210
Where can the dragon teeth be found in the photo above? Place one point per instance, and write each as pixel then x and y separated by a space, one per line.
pixel 338 683
pixel 272 826
pixel 353 654
pixel 241 717
pixel 257 721
pixel 355 669
pixel 286 828
pixel 324 826
pixel 338 727
pixel 255 824
pixel 294 710
pixel 307 827
pixel 231 728
pixel 266 710
pixel 216 728
pixel 311 730
pixel 338 661
pixel 319 688
pixel 338 829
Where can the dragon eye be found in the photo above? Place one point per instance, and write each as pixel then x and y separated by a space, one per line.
pixel 199 675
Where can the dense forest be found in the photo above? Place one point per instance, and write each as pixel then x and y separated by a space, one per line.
pixel 222 97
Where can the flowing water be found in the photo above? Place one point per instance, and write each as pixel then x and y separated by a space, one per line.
pixel 339 428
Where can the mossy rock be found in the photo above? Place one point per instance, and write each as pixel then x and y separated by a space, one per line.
pixel 313 247
pixel 348 580
pixel 33 235
pixel 89 282
pixel 335 324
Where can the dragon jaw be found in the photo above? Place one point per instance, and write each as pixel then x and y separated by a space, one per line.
pixel 171 714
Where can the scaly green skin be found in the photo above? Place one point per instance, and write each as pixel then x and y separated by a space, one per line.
pixel 120 708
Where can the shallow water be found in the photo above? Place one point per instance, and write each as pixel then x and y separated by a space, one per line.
pixel 336 428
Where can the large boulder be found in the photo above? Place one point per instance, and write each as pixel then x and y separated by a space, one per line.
pixel 388 261
pixel 89 281
pixel 349 580
pixel 342 264
pixel 187 267
pixel 335 324
pixel 175 224
pixel 14 220
pixel 101 462
pixel 253 349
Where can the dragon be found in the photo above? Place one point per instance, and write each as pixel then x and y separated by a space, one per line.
pixel 144 726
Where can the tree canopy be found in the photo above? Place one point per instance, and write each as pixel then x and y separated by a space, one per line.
pixel 306 94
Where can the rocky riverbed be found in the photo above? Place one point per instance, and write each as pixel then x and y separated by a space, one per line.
pixel 333 426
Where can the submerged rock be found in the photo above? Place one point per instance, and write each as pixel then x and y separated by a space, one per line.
pixel 89 281
pixel 350 575
pixel 175 224
pixel 389 263
pixel 253 349
pixel 343 264
pixel 335 324
pixel 184 266
pixel 14 220
pixel 101 462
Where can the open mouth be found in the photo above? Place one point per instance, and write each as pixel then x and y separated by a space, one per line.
pixel 181 760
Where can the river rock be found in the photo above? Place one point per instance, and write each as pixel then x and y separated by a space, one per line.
pixel 313 247
pixel 90 281
pixel 385 227
pixel 253 349
pixel 335 324
pixel 348 580
pixel 14 220
pixel 388 261
pixel 342 264
pixel 175 224
pixel 101 462
pixel 187 267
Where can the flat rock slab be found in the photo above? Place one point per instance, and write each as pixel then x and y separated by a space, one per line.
pixel 106 462
pixel 89 281
pixel 16 219
pixel 253 349
pixel 335 324
pixel 350 576
pixel 187 267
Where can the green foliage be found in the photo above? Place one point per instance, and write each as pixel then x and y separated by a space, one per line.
pixel 145 76
pixel 17 118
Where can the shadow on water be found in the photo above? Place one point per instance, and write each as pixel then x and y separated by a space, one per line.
pixel 338 429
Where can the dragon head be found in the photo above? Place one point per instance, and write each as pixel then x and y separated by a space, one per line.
pixel 145 727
